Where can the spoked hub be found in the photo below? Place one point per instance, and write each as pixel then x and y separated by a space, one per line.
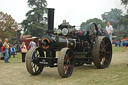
pixel 32 63
pixel 65 62
pixel 102 52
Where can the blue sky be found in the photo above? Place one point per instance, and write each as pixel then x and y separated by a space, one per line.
pixel 74 11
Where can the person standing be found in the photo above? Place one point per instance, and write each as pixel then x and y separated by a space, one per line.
pixel 109 30
pixel 13 51
pixel 121 42
pixel 23 51
pixel 32 44
pixel 6 47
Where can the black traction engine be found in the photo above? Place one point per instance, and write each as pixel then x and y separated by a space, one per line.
pixel 68 47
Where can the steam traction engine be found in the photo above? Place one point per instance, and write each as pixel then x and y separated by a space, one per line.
pixel 75 49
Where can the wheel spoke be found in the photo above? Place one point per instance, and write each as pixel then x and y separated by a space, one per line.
pixel 69 58
pixel 35 68
pixel 33 65
pixel 102 46
pixel 91 29
pixel 107 52
pixel 102 61
pixel 66 69
pixel 105 45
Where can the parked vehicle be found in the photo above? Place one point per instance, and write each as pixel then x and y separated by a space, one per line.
pixel 117 44
pixel 75 48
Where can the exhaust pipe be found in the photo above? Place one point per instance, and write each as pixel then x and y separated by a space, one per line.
pixel 50 19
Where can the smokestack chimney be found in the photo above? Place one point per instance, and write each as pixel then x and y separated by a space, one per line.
pixel 50 19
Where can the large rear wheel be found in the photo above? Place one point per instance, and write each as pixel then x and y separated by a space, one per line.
pixel 65 62
pixel 102 52
pixel 32 64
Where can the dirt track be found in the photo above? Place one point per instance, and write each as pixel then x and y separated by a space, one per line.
pixel 117 74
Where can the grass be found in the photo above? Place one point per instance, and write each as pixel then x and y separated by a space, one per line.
pixel 117 49
pixel 17 58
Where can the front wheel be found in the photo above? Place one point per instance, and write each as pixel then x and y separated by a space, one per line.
pixel 65 62
pixel 31 61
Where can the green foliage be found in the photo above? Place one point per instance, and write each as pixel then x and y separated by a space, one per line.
pixel 120 33
pixel 35 23
pixel 84 25
pixel 112 17
pixel 7 26
pixel 123 20
pixel 124 2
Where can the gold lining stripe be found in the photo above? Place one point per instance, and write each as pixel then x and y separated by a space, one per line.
pixel 75 43
pixel 67 41
pixel 82 44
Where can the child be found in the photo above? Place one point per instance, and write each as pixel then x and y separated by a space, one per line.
pixel 13 51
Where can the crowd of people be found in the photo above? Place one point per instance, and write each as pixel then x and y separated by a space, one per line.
pixel 6 50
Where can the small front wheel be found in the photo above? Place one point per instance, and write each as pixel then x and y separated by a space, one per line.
pixel 65 62
pixel 31 61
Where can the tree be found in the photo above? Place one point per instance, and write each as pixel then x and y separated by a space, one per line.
pixel 8 26
pixel 112 17
pixel 123 20
pixel 84 25
pixel 124 2
pixel 35 23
